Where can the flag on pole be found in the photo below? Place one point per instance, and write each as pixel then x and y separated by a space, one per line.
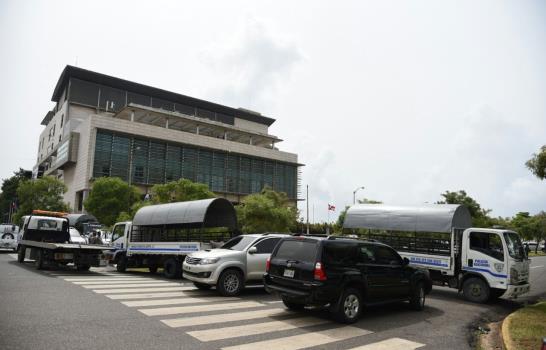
pixel 331 207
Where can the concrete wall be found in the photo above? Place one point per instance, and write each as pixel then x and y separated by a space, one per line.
pixel 251 126
pixel 50 143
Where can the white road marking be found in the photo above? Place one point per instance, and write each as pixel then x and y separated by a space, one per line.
pixel 305 340
pixel 146 295
pixel 127 281
pixel 273 302
pixel 391 344
pixel 256 328
pixel 162 311
pixel 186 300
pixel 223 318
pixel 14 256
pixel 134 285
pixel 142 290
pixel 534 267
pixel 109 278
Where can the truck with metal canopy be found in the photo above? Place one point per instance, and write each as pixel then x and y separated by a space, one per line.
pixel 162 235
pixel 483 263
pixel 45 238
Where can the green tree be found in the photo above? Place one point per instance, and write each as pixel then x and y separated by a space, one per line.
pixel 369 201
pixel 109 197
pixel 537 163
pixel 180 191
pixel 523 223
pixel 480 216
pixel 9 191
pixel 45 193
pixel 267 211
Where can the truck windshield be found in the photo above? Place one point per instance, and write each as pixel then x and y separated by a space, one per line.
pixel 515 247
pixel 238 243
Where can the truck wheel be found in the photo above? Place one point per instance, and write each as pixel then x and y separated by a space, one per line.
pixel 121 265
pixel 291 305
pixel 202 286
pixel 21 254
pixel 349 306
pixel 82 267
pixel 172 268
pixel 417 297
pixel 230 283
pixel 39 262
pixel 476 290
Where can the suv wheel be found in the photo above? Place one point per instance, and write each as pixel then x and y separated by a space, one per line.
pixel 349 306
pixel 476 290
pixel 230 283
pixel 291 305
pixel 202 286
pixel 417 298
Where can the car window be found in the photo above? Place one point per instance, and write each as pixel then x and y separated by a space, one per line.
pixel 304 251
pixel 267 245
pixel 366 254
pixel 384 255
pixel 340 254
pixel 238 243
pixel 119 231
pixel 488 244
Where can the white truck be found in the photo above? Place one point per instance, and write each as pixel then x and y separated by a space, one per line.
pixel 483 263
pixel 162 235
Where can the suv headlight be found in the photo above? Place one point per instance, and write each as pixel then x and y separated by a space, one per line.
pixel 207 261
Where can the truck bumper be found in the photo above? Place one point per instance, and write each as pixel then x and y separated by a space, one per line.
pixel 514 291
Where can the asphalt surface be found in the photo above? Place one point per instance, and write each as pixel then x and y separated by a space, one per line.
pixel 64 309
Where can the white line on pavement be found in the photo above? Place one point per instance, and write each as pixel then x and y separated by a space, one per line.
pixel 142 290
pixel 305 340
pixel 162 311
pixel 127 281
pixel 256 328
pixel 133 285
pixel 391 344
pixel 534 267
pixel 223 318
pixel 146 295
pixel 186 300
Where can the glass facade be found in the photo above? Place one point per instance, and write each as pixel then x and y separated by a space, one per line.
pixel 150 162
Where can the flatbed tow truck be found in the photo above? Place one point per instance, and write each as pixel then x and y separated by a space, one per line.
pixel 45 239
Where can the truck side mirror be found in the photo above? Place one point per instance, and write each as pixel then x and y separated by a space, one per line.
pixel 253 250
pixel 405 261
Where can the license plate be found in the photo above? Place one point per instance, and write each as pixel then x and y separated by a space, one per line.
pixel 288 273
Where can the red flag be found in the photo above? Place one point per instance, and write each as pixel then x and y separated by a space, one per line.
pixel 331 207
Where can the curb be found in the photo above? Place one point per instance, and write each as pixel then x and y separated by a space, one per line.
pixel 507 340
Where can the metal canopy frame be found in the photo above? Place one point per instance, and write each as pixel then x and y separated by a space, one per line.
pixel 430 218
pixel 205 213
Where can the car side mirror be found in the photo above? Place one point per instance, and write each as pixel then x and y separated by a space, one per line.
pixel 405 261
pixel 253 250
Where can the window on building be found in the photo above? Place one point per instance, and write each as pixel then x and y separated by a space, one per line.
pixel 84 92
pixel 62 120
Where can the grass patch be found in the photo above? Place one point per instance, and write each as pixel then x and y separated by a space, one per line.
pixel 539 253
pixel 527 326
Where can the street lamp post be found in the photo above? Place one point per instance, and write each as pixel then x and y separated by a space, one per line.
pixel 354 193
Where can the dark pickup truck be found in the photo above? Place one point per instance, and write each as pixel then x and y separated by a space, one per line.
pixel 346 274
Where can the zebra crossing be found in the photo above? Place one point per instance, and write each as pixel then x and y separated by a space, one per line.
pixel 223 322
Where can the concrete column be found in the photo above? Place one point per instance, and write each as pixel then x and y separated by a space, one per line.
pixel 250 141
pixel 225 135
pixel 197 130
pixel 167 123
pixel 272 144
pixel 132 116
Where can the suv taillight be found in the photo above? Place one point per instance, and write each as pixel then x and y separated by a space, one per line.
pixel 319 273
pixel 267 264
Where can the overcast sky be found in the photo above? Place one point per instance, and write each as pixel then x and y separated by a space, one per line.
pixel 408 99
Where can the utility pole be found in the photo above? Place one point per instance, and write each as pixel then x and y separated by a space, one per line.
pixel 354 194
pixel 307 209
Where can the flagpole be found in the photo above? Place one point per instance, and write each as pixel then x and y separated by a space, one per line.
pixel 307 209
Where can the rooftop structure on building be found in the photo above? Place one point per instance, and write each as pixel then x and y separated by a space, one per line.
pixel 106 126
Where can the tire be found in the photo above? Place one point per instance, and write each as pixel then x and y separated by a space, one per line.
pixel 417 297
pixel 230 283
pixel 349 306
pixel 39 262
pixel 121 265
pixel 21 254
pixel 153 268
pixel 172 268
pixel 496 293
pixel 82 267
pixel 291 305
pixel 202 286
pixel 7 236
pixel 476 290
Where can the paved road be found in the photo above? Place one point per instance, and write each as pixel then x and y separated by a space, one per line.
pixel 107 310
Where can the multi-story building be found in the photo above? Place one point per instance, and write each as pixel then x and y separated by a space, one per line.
pixel 106 126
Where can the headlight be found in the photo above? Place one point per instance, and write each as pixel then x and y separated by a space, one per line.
pixel 207 261
pixel 514 276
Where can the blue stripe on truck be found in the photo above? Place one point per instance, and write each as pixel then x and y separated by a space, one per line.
pixel 468 268
pixel 427 263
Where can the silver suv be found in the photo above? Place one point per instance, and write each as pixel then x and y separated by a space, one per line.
pixel 240 261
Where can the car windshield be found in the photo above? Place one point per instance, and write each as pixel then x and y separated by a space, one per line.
pixel 303 251
pixel 238 243
pixel 513 242
pixel 74 233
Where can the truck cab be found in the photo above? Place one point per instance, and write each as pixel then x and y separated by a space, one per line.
pixel 497 258
pixel 118 242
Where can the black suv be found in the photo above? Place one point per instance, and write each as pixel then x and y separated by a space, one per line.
pixel 344 273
